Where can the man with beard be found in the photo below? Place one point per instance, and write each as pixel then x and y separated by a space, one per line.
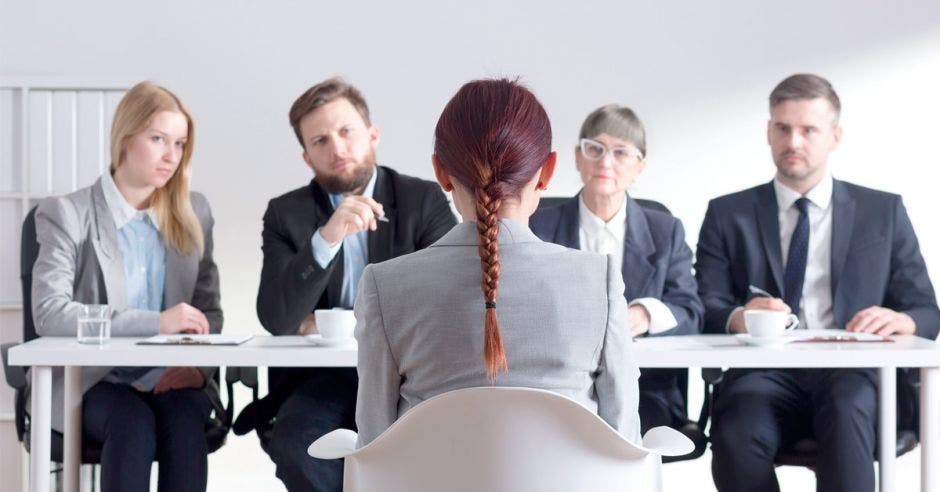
pixel 317 239
pixel 840 256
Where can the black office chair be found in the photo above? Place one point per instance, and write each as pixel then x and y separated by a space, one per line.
pixel 216 429
pixel 803 452
pixel 693 429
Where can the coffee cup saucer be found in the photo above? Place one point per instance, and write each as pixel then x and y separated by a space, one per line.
pixel 318 340
pixel 747 339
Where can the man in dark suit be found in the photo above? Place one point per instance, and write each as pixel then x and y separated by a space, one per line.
pixel 316 241
pixel 840 256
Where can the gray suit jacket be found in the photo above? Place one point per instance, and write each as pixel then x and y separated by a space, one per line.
pixel 79 262
pixel 562 317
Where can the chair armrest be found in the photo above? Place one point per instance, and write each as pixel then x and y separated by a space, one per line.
pixel 15 375
pixel 337 444
pixel 666 441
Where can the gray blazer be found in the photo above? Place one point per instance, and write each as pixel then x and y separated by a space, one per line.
pixel 79 262
pixel 562 316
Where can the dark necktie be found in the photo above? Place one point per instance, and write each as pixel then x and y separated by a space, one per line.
pixel 796 259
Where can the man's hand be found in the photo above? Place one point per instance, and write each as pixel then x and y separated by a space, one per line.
pixel 356 213
pixel 179 378
pixel 639 320
pixel 769 303
pixel 183 318
pixel 308 326
pixel 881 321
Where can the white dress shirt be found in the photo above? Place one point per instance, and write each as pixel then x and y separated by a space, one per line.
pixel 816 301
pixel 607 238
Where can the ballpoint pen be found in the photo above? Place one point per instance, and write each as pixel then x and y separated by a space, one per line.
pixel 757 291
pixel 382 219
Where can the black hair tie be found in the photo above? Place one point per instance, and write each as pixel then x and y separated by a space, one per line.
pixel 490 304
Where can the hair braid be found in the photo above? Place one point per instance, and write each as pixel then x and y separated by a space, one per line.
pixel 494 354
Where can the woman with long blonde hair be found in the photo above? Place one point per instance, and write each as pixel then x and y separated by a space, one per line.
pixel 139 241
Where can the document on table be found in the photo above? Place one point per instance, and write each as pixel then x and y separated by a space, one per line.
pixel 184 339
pixel 812 336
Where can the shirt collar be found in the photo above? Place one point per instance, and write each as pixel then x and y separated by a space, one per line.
pixel 593 225
pixel 122 211
pixel 820 195
pixel 337 198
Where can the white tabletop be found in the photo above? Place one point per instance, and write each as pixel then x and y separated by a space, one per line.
pixel 295 351
pixel 730 351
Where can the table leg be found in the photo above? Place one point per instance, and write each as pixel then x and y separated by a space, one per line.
pixel 887 427
pixel 40 428
pixel 72 436
pixel 929 429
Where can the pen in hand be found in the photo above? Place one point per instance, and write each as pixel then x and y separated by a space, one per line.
pixel 757 291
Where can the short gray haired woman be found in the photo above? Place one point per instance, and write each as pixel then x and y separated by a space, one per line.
pixel 648 246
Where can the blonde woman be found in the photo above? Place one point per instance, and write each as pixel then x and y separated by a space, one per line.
pixel 141 242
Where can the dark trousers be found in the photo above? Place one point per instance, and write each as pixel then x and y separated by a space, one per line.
pixel 135 428
pixel 324 402
pixel 660 408
pixel 758 412
pixel 661 401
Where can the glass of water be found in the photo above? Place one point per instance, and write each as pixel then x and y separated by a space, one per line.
pixel 94 324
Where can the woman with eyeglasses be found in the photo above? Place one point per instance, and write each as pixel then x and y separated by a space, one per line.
pixel 548 317
pixel 646 242
pixel 139 241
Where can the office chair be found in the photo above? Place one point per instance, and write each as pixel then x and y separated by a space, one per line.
pixel 500 438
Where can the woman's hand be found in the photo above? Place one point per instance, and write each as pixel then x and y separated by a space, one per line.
pixel 183 318
pixel 179 378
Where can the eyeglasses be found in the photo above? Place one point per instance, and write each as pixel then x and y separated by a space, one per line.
pixel 595 151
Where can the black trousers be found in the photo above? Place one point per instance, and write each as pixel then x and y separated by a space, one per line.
pixel 758 412
pixel 135 428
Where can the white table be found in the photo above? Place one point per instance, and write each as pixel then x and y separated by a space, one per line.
pixel 692 351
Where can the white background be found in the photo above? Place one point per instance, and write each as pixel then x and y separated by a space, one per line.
pixel 697 73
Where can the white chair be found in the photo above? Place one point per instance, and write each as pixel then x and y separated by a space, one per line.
pixel 501 439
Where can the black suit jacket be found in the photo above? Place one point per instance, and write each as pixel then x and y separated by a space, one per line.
pixel 656 263
pixel 876 260
pixel 293 284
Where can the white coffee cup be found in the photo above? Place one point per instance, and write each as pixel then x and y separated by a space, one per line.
pixel 335 324
pixel 763 323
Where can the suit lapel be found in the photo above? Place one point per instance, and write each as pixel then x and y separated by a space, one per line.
pixel 769 224
pixel 106 247
pixel 380 242
pixel 566 233
pixel 637 249
pixel 843 219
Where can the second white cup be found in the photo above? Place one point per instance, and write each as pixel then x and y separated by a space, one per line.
pixel 335 324
pixel 763 323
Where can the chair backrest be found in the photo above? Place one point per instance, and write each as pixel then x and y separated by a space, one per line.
pixel 29 250
pixel 501 439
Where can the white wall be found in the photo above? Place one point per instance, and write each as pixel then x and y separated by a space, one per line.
pixel 698 74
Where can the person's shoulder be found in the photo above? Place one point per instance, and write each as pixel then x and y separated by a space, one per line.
pixel 199 201
pixel 296 194
pixel 743 199
pixel 78 202
pixel 868 195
